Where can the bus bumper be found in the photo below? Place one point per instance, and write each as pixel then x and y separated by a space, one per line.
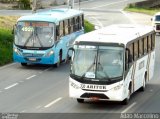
pixel 33 60
pixel 112 94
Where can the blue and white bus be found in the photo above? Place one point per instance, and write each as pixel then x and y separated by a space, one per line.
pixel 45 37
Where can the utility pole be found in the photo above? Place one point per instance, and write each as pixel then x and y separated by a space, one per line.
pixel 79 2
pixel 71 4
pixel 34 6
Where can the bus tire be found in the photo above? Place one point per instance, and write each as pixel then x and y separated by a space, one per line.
pixel 144 84
pixel 67 59
pixel 60 60
pixel 24 64
pixel 126 100
pixel 80 100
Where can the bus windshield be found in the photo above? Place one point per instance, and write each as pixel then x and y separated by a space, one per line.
pixel 34 34
pixel 98 62
pixel 157 18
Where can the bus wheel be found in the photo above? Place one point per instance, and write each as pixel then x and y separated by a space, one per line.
pixel 24 64
pixel 126 100
pixel 80 100
pixel 67 59
pixel 144 84
pixel 59 61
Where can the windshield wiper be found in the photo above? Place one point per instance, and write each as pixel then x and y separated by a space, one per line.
pixel 28 39
pixel 89 68
pixel 100 68
pixel 38 38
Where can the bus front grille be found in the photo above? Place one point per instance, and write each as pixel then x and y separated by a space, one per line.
pixel 32 55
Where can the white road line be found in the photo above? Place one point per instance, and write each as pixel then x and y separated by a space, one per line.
pixel 38 107
pixel 109 4
pixel 99 23
pixel 48 69
pixel 53 102
pixel 11 86
pixel 127 15
pixel 7 65
pixel 40 72
pixel 128 108
pixel 23 111
pixel 21 81
pixel 30 77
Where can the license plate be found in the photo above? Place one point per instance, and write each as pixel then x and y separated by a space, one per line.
pixel 32 59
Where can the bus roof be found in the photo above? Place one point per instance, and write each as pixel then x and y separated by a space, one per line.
pixel 54 15
pixel 118 33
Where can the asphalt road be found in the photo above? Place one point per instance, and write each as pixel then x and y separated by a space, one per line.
pixel 44 89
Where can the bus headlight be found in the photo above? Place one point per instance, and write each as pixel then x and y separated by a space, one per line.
pixel 51 52
pixel 74 85
pixel 117 87
pixel 17 51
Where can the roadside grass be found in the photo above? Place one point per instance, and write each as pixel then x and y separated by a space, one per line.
pixel 88 26
pixel 6 38
pixel 149 11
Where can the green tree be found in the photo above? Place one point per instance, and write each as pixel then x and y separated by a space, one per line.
pixel 24 4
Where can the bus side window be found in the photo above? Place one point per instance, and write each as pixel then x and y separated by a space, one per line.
pixel 145 45
pixel 82 20
pixel 153 41
pixel 69 26
pixel 130 54
pixel 149 43
pixel 66 26
pixel 74 24
pixel 61 29
pixel 136 50
pixel 140 47
pixel 126 60
pixel 57 33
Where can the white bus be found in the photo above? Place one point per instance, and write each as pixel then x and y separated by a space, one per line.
pixel 156 22
pixel 112 63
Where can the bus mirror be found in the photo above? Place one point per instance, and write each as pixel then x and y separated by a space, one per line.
pixel 151 19
pixel 70 51
pixel 14 28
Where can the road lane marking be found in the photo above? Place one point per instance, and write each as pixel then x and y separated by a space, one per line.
pixel 23 111
pixel 38 107
pixel 30 77
pixel 11 86
pixel 109 4
pixel 128 108
pixel 6 66
pixel 21 81
pixel 127 15
pixel 48 69
pixel 53 102
pixel 99 23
